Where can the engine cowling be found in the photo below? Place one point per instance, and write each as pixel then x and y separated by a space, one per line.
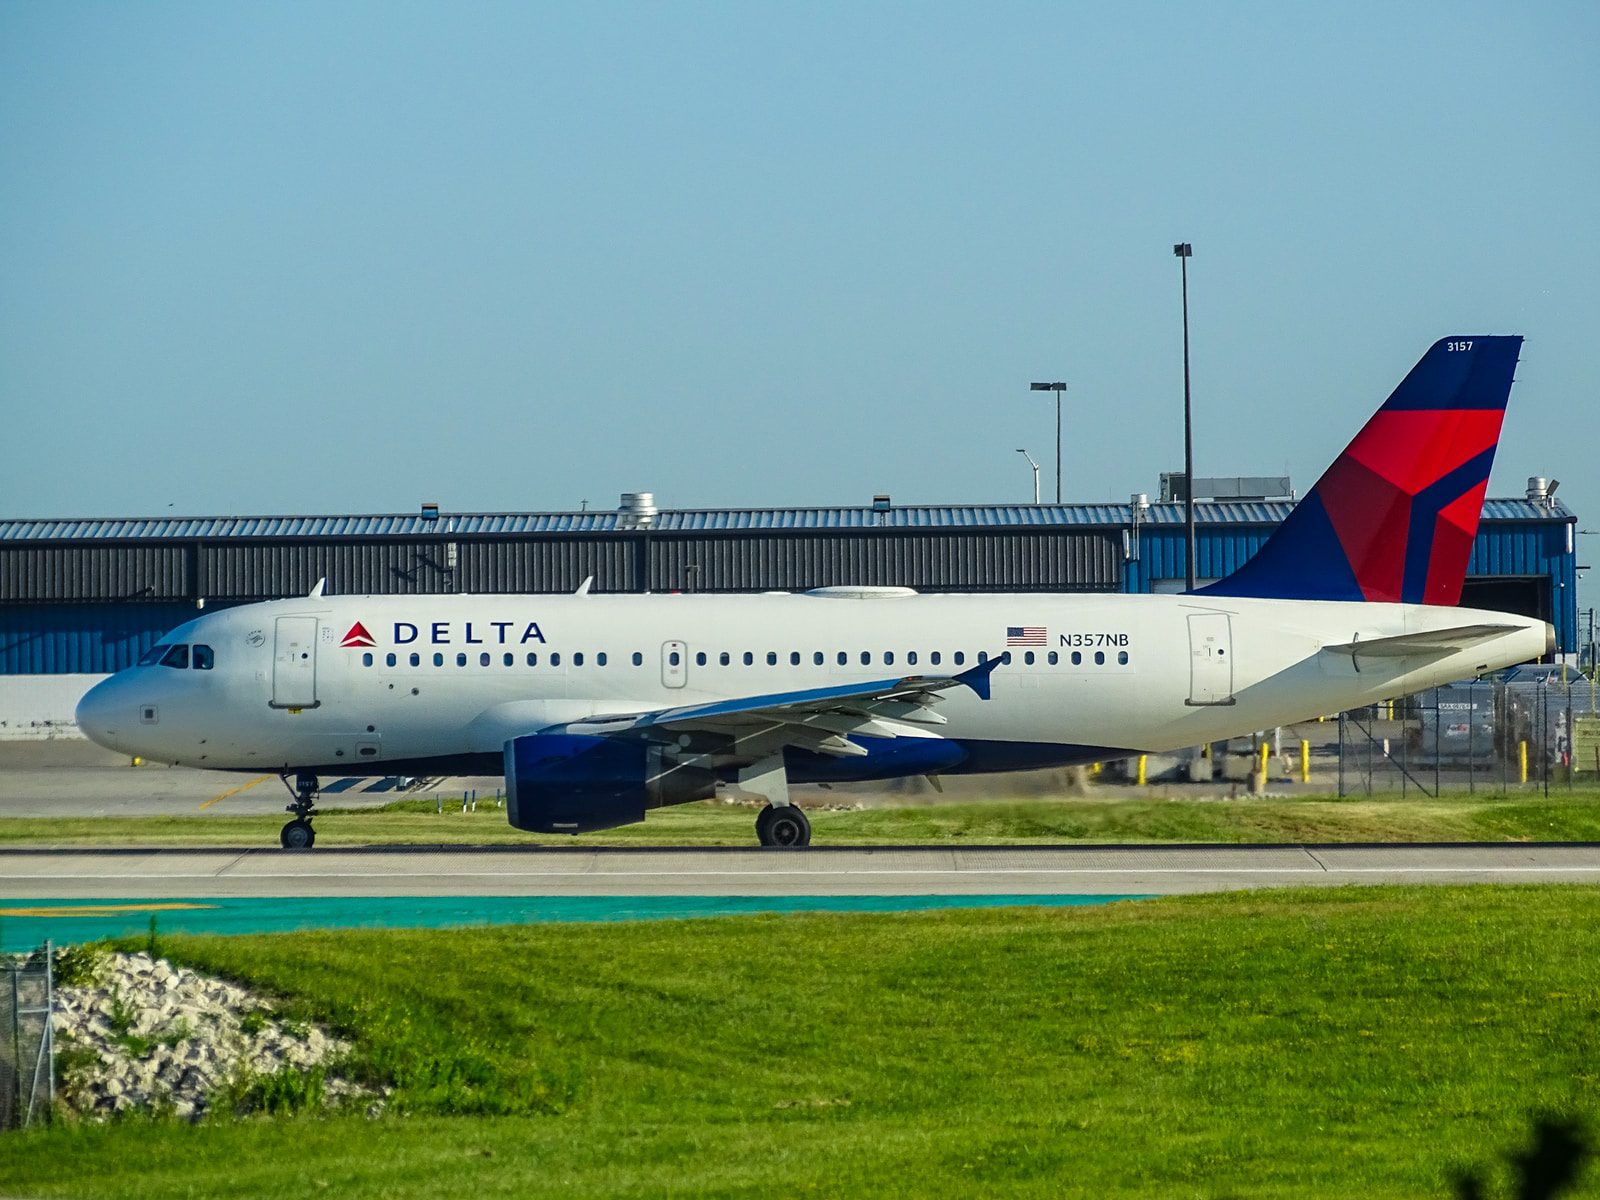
pixel 572 783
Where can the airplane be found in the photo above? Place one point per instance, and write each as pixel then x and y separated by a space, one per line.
pixel 599 708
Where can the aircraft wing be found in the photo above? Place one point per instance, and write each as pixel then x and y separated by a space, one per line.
pixel 1429 642
pixel 820 719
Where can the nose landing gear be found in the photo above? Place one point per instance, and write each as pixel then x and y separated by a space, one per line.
pixel 298 834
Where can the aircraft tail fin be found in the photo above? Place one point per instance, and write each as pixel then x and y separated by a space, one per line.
pixel 1394 518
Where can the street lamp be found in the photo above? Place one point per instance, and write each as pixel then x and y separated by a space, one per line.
pixel 1035 467
pixel 1057 388
pixel 1184 251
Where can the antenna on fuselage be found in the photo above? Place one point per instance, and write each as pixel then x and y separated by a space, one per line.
pixel 583 588
pixel 316 592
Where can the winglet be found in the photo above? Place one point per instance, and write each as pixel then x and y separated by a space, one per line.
pixel 977 678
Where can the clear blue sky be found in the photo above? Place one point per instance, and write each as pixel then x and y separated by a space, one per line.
pixel 329 257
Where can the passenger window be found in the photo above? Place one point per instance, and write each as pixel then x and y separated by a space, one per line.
pixel 724 658
pixel 577 659
pixel 366 660
pixel 888 658
pixel 983 656
pixel 816 659
pixel 177 656
pixel 555 659
pixel 1006 658
pixel 638 659
pixel 389 660
pixel 1054 658
pixel 1099 658
pixel 794 658
pixel 843 658
pixel 749 659
pixel 461 660
pixel 509 659
pixel 600 658
pixel 416 659
pixel 1122 657
pixel 700 658
pixel 911 658
pixel 438 660
pixel 866 658
pixel 1077 658
pixel 674 658
pixel 772 658
pixel 533 660
pixel 203 659
pixel 934 657
pixel 959 657
pixel 1028 658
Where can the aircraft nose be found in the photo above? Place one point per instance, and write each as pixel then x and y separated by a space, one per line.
pixel 101 716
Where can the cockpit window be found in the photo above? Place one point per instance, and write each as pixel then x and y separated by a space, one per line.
pixel 176 656
pixel 203 659
pixel 154 655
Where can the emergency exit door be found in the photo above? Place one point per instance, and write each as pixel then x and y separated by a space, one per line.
pixel 294 663
pixel 1210 659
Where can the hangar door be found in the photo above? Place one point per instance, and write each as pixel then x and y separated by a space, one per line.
pixel 1210 659
pixel 294 663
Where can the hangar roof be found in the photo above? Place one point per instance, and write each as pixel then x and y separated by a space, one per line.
pixel 911 516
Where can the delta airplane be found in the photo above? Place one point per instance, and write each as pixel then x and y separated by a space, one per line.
pixel 599 708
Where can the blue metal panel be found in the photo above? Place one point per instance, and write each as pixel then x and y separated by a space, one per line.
pixel 82 639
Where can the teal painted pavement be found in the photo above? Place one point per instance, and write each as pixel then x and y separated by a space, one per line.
pixel 24 924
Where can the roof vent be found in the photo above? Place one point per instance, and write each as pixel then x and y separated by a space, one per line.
pixel 637 510
pixel 430 511
pixel 1538 487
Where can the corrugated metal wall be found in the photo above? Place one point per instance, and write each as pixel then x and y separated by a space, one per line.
pixel 90 571
pixel 260 570
pixel 72 639
pixel 967 562
pixel 549 564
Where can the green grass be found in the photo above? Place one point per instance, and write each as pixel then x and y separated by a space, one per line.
pixel 1525 816
pixel 1362 1042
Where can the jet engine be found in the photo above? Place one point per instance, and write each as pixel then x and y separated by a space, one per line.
pixel 574 783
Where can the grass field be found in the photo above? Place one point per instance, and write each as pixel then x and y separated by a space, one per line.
pixel 1367 1042
pixel 1566 816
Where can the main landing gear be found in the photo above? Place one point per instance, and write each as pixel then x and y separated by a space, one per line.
pixel 298 834
pixel 783 825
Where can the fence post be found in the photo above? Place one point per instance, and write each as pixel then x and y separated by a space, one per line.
pixel 1305 761
pixel 1522 760
pixel 1141 769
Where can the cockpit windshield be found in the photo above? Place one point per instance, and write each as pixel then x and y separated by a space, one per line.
pixel 164 654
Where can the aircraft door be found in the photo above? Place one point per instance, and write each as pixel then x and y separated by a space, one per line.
pixel 1210 659
pixel 294 663
pixel 674 664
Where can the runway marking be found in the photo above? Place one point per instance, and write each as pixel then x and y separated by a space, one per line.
pixel 97 910
pixel 243 787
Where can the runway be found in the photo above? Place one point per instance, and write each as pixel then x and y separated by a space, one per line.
pixel 917 871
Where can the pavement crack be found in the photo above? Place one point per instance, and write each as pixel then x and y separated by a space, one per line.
pixel 1312 855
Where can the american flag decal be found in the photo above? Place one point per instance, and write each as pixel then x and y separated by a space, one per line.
pixel 1025 635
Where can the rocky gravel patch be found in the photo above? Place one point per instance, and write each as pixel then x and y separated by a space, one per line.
pixel 137 1034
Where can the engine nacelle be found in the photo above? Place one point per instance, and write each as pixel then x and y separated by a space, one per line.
pixel 569 783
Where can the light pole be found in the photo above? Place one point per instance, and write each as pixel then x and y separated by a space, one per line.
pixel 1184 251
pixel 1057 388
pixel 1035 467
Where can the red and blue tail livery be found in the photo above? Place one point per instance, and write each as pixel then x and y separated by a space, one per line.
pixel 1394 518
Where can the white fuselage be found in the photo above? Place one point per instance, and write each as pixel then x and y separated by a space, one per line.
pixel 451 676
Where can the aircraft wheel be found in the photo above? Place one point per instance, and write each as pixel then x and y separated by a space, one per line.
pixel 783 825
pixel 298 835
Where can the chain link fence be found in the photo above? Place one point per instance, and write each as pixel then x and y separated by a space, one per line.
pixel 27 1042
pixel 1474 736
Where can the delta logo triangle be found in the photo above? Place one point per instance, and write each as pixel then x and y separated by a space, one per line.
pixel 358 636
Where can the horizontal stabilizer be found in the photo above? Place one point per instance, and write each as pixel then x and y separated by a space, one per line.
pixel 1429 642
